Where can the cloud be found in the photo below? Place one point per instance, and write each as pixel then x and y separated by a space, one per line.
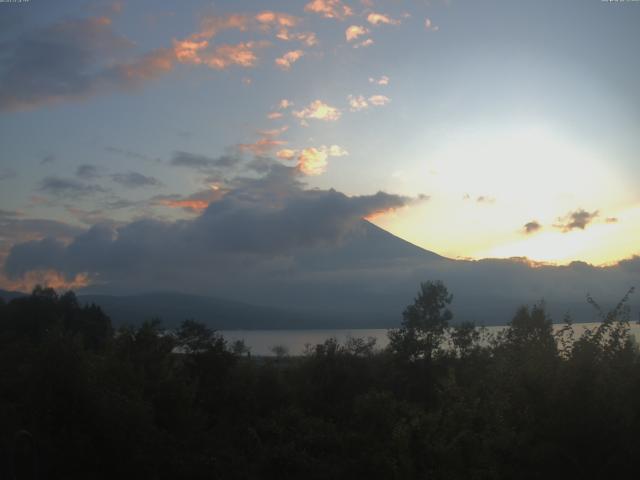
pixel 531 227
pixel 485 199
pixel 381 19
pixel 202 162
pixel 194 203
pixel 262 146
pixel 288 59
pixel 271 18
pixel 329 9
pixel 274 115
pixel 256 222
pixel 611 220
pixel 282 23
pixel 379 100
pixel 318 110
pixel 365 43
pixel 219 57
pixel 307 38
pixel 355 31
pixel 87 172
pixel 383 80
pixel 68 187
pixel 357 103
pixel 267 142
pixel 576 220
pixel 312 161
pixel 429 25
pixel 285 104
pixel 49 158
pixel 78 58
pixel 212 25
pixel 135 180
pixel 286 154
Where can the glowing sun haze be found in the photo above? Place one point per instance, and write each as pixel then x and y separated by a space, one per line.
pixel 501 129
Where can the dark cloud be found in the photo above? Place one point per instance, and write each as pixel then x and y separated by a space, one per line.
pixel 50 158
pixel 68 187
pixel 203 162
pixel 87 172
pixel 532 227
pixel 135 180
pixel 256 221
pixel 576 220
pixel 479 199
pixel 70 60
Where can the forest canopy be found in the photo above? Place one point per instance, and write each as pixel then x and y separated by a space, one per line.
pixel 80 399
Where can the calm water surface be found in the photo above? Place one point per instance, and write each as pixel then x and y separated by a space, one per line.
pixel 261 342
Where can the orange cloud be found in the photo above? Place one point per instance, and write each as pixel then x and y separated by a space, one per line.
pixel 192 205
pixel 222 57
pixel 284 104
pixel 329 8
pixel 211 25
pixel 318 110
pixel 286 154
pixel 355 31
pixel 269 18
pixel 262 146
pixel 288 59
pixel 274 115
pixel 241 54
pixel 266 143
pixel 148 66
pixel 308 38
pixel 186 51
pixel 312 161
pixel 45 278
pixel 380 18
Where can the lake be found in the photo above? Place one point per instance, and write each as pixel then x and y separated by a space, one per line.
pixel 261 342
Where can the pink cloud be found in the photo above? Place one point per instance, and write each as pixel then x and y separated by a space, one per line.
pixel 288 59
pixel 329 8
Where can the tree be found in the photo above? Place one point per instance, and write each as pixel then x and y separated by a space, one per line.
pixel 424 323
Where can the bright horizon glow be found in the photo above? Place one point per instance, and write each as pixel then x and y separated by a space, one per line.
pixel 517 175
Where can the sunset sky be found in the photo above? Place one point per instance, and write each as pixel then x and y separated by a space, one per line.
pixel 498 128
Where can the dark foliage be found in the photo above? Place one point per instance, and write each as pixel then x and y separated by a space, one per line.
pixel 78 400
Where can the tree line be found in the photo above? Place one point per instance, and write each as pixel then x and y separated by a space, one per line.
pixel 79 399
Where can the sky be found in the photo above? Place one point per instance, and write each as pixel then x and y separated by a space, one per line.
pixel 473 129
